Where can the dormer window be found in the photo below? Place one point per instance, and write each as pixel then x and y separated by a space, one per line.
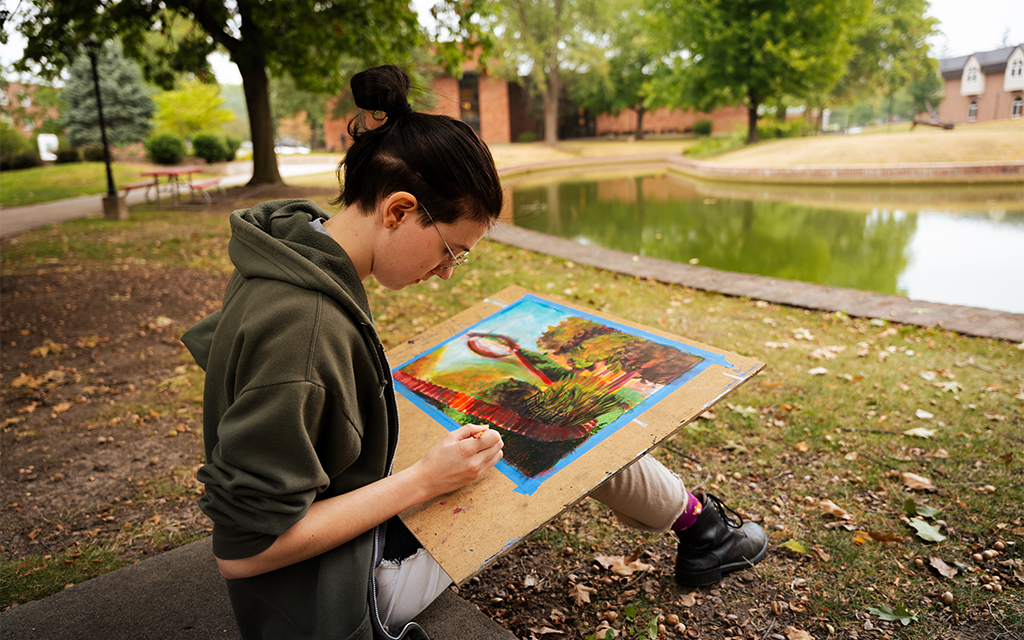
pixel 972 75
pixel 1017 69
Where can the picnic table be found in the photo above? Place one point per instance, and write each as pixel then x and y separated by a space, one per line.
pixel 174 184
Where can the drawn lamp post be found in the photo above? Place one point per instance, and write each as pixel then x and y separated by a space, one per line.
pixel 114 207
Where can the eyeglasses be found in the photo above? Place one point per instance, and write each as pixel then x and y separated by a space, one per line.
pixel 457 258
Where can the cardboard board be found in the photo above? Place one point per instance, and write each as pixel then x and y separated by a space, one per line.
pixel 576 395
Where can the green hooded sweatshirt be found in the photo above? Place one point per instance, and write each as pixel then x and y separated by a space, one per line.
pixel 299 406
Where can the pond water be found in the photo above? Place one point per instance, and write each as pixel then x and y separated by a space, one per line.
pixel 955 245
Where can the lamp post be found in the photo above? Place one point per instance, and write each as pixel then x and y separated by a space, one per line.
pixel 114 207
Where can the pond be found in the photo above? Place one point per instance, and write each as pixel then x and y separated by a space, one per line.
pixel 955 245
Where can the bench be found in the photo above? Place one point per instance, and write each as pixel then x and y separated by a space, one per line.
pixel 201 187
pixel 142 184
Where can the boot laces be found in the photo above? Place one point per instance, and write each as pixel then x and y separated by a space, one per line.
pixel 734 521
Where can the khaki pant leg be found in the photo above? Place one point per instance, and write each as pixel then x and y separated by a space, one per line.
pixel 644 495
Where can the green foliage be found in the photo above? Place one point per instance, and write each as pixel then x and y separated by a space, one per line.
pixel 208 147
pixel 890 48
pixel 769 129
pixel 527 137
pixel 94 153
pixel 231 146
pixel 165 148
pixel 16 151
pixel 68 156
pixel 702 127
pixel 550 37
pixel 714 145
pixel 127 108
pixel 192 109
pixel 726 53
pixel 888 613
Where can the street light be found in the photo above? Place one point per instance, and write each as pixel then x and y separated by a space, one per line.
pixel 113 207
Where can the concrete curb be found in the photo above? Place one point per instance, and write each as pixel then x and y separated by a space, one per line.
pixel 179 595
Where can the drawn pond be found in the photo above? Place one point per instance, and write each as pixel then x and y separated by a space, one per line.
pixel 950 244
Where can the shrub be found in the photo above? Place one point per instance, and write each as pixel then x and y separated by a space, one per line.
pixel 702 127
pixel 16 151
pixel 231 146
pixel 208 147
pixel 94 154
pixel 165 148
pixel 66 156
pixel 529 136
pixel 773 129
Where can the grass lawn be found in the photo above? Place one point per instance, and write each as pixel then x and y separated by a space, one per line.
pixel 824 449
pixel 60 181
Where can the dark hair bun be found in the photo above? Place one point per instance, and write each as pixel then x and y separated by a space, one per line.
pixel 383 88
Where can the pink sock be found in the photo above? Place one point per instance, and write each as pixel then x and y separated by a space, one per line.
pixel 690 513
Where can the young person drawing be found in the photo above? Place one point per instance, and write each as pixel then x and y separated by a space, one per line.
pixel 300 420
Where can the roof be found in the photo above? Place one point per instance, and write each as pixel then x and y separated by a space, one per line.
pixel 991 61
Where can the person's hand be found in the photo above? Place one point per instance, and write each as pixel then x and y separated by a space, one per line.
pixel 459 458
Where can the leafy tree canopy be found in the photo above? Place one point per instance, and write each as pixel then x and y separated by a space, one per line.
pixel 194 108
pixel 127 109
pixel 304 38
pixel 750 51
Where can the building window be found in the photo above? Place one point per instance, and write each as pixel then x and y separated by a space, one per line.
pixel 1016 107
pixel 28 124
pixel 469 100
pixel 972 111
pixel 1017 68
pixel 972 75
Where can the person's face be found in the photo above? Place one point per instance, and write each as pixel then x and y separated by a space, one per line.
pixel 414 253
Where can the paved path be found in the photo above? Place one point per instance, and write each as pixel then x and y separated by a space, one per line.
pixel 179 595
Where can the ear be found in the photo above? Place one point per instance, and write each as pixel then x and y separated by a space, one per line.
pixel 397 207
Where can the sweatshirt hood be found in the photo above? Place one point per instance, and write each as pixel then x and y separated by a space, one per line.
pixel 274 240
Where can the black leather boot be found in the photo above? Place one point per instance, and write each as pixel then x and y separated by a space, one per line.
pixel 717 544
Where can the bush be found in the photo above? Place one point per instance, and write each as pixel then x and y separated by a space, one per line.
pixel 529 136
pixel 208 147
pixel 165 148
pixel 94 154
pixel 67 156
pixel 773 129
pixel 702 127
pixel 231 146
pixel 16 151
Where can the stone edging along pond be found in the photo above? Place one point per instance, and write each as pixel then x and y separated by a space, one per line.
pixel 845 174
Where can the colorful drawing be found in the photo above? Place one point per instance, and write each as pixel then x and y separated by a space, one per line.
pixel 553 380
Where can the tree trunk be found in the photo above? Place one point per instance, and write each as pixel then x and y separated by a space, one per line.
pixel 261 124
pixel 640 121
pixel 551 95
pixel 753 104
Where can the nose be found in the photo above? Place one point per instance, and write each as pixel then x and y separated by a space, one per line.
pixel 444 273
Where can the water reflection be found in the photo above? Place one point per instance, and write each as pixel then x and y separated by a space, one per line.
pixel 943 244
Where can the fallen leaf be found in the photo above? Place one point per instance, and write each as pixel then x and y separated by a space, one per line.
pixel 920 432
pixel 61 408
pixel 952 386
pixel 687 600
pixel 926 531
pixel 793 545
pixel 747 411
pixel 832 509
pixel 792 633
pixel 929 375
pixel 924 415
pixel 802 447
pixel 580 593
pixel 899 613
pixel 827 353
pixel 777 345
pixel 544 630
pixel 943 568
pixel 802 334
pixel 818 371
pixel 917 483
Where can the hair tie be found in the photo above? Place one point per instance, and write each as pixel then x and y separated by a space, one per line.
pixel 402 109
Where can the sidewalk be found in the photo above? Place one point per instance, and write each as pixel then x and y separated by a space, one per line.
pixel 179 595
pixel 15 220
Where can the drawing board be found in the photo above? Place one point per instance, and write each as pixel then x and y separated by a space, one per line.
pixel 576 395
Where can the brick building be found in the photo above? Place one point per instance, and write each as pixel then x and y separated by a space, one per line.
pixel 478 99
pixel 502 111
pixel 18 108
pixel 983 86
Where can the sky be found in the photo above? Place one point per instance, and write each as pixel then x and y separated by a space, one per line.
pixel 965 26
